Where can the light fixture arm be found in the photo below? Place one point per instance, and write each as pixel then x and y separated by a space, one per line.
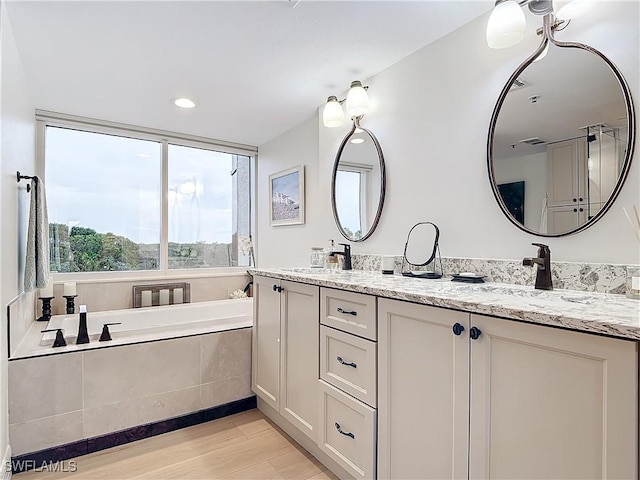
pixel 537 7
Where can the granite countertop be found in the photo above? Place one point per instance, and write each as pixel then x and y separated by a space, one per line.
pixel 606 314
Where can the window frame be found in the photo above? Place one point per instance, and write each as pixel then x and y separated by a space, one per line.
pixel 46 119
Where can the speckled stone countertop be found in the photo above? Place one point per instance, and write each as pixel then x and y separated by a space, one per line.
pixel 606 314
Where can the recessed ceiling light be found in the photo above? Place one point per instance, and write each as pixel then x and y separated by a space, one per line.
pixel 183 102
pixel 357 140
pixel 144 155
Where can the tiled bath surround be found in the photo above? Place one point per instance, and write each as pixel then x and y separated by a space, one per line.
pixel 110 295
pixel 60 399
pixel 586 277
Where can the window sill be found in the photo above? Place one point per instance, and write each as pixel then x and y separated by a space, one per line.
pixel 147 276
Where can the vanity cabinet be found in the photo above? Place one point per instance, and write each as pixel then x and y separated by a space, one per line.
pixel 470 396
pixel 580 183
pixel 347 385
pixel 285 350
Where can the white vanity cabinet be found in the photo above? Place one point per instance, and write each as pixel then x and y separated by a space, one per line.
pixel 551 403
pixel 515 401
pixel 423 396
pixel 347 385
pixel 285 350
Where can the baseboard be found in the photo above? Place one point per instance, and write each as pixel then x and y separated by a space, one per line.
pixel 304 441
pixel 57 455
pixel 6 465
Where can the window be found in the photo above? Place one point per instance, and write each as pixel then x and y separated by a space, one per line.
pixel 105 198
pixel 352 183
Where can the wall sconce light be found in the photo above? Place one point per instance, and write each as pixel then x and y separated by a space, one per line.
pixel 357 104
pixel 507 24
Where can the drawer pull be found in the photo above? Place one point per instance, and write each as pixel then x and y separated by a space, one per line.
pixel 347 312
pixel 347 434
pixel 347 364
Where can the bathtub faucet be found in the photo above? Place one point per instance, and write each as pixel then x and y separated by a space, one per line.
pixel 83 336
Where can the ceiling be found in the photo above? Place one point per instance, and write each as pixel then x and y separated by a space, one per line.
pixel 255 68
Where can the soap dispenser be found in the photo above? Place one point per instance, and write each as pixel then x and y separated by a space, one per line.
pixel 330 261
pixel 83 336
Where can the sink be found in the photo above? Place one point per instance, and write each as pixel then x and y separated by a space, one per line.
pixel 308 271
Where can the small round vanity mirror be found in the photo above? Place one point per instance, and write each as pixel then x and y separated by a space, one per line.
pixel 561 140
pixel 358 184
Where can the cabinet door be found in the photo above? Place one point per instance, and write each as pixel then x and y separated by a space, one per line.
pixel 423 381
pixel 564 219
pixel 563 180
pixel 265 378
pixel 299 367
pixel 550 403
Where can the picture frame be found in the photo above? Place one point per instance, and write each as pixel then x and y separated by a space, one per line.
pixel 286 197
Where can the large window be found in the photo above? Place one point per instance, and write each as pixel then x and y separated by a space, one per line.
pixel 108 210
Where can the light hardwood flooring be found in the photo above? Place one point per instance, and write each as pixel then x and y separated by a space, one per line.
pixel 244 446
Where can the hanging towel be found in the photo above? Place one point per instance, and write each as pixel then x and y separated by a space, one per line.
pixel 36 269
pixel 543 214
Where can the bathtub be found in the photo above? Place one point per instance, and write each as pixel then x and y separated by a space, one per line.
pixel 159 322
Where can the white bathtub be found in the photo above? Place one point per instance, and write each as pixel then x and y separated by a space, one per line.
pixel 183 319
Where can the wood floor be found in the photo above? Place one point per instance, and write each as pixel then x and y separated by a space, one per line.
pixel 245 446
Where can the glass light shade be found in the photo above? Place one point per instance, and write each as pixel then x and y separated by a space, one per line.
pixel 332 115
pixel 188 187
pixel 568 9
pixel 506 25
pixel 357 100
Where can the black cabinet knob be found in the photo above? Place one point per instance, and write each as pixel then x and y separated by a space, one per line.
pixel 581 199
pixel 475 333
pixel 575 199
pixel 275 288
pixel 457 329
pixel 575 209
pixel 582 209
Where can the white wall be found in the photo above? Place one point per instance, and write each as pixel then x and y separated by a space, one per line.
pixel 431 113
pixel 290 245
pixel 17 153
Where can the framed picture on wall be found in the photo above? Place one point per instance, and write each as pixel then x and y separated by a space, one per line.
pixel 286 191
pixel 513 197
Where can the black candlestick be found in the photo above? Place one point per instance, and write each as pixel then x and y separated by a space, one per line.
pixel 46 309
pixel 71 308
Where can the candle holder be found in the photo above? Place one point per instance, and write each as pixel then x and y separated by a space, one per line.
pixel 71 308
pixel 46 309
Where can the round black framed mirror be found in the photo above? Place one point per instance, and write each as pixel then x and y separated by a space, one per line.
pixel 561 138
pixel 358 184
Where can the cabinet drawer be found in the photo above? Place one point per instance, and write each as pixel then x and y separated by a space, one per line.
pixel 347 431
pixel 349 363
pixel 348 311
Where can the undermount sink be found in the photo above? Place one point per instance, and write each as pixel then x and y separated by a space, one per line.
pixel 312 270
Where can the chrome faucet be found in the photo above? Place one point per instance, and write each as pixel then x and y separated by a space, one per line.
pixel 346 265
pixel 543 272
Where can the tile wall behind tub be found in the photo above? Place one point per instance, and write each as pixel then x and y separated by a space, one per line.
pixel 21 313
pixel 101 296
pixel 68 397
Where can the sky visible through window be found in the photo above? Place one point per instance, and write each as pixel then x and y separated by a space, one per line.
pixel 112 184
